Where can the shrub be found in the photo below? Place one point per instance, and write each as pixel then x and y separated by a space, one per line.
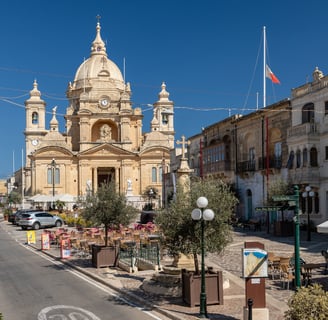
pixel 308 303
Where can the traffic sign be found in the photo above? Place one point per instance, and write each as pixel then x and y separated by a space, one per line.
pixel 268 208
pixel 283 198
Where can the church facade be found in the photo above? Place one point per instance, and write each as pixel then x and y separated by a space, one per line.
pixel 103 139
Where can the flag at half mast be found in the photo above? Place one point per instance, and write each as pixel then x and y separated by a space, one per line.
pixel 269 74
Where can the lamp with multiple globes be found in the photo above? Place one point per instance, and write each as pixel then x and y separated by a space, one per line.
pixel 203 215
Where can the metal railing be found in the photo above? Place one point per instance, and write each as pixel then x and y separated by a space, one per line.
pixel 131 252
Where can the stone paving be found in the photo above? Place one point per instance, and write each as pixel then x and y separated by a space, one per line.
pixel 172 307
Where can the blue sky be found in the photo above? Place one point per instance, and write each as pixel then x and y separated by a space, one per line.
pixel 208 52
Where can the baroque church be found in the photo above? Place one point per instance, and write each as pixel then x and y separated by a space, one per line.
pixel 103 139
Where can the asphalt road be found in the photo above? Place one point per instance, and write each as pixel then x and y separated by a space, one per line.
pixel 34 286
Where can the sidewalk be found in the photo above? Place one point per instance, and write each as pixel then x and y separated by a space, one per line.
pixel 130 285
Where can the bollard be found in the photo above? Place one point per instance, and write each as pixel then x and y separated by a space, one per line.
pixel 250 307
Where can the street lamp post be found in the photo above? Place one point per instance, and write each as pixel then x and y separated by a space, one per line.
pixel 308 194
pixel 203 215
pixel 297 239
pixel 53 165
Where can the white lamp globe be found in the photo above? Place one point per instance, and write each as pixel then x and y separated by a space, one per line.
pixel 311 193
pixel 202 202
pixel 307 188
pixel 196 214
pixel 208 214
pixel 304 194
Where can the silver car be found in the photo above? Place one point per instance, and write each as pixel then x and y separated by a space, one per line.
pixel 41 219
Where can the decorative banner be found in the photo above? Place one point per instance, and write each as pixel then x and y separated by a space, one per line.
pixel 45 243
pixel 255 263
pixel 65 248
pixel 31 237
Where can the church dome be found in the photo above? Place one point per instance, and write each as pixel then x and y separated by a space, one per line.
pixel 98 66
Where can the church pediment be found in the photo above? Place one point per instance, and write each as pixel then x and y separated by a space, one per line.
pixel 52 152
pixel 155 151
pixel 105 150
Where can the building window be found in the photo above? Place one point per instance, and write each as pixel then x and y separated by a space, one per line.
pixel 277 149
pixel 326 107
pixel 313 157
pixel 290 161
pixel 160 172
pixel 35 118
pixel 308 113
pixel 153 174
pixel 165 119
pixel 326 152
pixel 251 154
pixel 305 157
pixel 56 176
pixel 298 158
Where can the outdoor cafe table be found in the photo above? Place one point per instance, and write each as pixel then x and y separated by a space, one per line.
pixel 308 269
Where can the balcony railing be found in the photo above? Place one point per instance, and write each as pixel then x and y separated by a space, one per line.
pixel 303 129
pixel 274 163
pixel 217 167
pixel 245 166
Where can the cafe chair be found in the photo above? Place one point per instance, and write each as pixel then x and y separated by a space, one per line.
pixel 273 265
pixel 287 275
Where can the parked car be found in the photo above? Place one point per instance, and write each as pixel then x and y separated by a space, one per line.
pixel 40 219
pixel 18 214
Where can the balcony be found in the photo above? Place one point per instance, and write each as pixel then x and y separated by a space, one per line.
pixel 216 167
pixel 304 129
pixel 246 166
pixel 274 163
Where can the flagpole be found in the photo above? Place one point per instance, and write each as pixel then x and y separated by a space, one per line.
pixel 23 181
pixel 264 67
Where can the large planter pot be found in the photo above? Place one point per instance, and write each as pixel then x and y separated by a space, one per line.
pixel 103 256
pixel 191 287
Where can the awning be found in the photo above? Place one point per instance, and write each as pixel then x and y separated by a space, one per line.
pixel 42 198
pixel 323 227
pixel 47 198
pixel 65 198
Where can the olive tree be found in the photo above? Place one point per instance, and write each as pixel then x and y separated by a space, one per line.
pixel 181 234
pixel 108 208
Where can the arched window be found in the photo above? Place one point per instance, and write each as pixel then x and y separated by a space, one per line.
pixel 153 174
pixel 249 204
pixel 298 158
pixel 290 160
pixel 316 202
pixel 313 157
pixel 35 118
pixel 165 118
pixel 308 113
pixel 160 174
pixel 305 157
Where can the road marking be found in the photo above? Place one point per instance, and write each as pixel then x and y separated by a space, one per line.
pixel 66 313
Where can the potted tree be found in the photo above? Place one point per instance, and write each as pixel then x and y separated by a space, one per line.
pixel 109 209
pixel 181 234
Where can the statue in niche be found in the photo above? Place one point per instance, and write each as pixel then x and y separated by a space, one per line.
pixel 105 133
pixel 129 184
pixel 89 187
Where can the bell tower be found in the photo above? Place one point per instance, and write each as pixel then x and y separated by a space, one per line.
pixel 35 109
